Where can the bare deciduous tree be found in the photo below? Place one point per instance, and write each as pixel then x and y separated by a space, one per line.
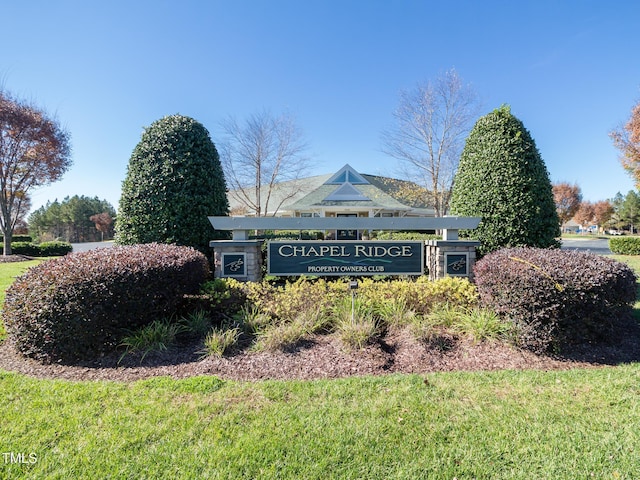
pixel 34 151
pixel 431 124
pixel 263 160
pixel 567 198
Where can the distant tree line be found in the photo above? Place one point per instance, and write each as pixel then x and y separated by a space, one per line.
pixel 619 213
pixel 626 211
pixel 75 219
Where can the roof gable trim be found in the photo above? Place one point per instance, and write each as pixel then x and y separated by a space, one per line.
pixel 346 193
pixel 347 175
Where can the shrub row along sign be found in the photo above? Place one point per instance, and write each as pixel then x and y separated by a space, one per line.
pixel 345 258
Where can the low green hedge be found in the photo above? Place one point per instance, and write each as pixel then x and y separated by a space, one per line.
pixel 44 249
pixel 625 245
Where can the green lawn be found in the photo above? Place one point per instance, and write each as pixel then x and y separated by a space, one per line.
pixel 511 425
pixel 8 272
pixel 580 423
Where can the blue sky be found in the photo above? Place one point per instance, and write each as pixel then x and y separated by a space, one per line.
pixel 569 69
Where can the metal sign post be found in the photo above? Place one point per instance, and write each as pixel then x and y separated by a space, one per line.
pixel 353 286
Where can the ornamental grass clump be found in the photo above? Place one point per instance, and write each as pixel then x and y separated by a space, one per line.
pixel 252 319
pixel 158 336
pixel 482 324
pixel 280 336
pixel 196 323
pixel 80 306
pixel 554 296
pixel 220 340
pixel 355 323
pixel 286 333
pixel 395 313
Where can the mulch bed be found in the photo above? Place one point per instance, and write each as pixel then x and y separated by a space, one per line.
pixel 14 258
pixel 324 356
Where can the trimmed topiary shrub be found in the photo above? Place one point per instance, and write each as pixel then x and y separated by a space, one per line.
pixel 80 306
pixel 625 245
pixel 174 182
pixel 556 296
pixel 503 179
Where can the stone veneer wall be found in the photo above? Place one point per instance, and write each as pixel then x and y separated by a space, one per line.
pixel 436 251
pixel 253 257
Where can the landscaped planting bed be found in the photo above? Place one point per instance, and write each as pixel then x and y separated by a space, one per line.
pixel 305 329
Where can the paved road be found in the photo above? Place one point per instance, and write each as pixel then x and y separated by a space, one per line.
pixel 594 245
pixel 84 247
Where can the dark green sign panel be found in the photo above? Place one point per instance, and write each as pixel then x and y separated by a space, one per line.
pixel 234 265
pixel 354 258
pixel 457 264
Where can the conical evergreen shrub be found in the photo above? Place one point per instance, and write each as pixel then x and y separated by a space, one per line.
pixel 174 182
pixel 503 179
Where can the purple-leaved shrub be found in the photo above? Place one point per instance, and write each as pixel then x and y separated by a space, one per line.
pixel 555 296
pixel 79 306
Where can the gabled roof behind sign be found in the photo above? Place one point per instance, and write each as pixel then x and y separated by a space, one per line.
pixel 353 190
pixel 339 189
pixel 347 175
pixel 346 193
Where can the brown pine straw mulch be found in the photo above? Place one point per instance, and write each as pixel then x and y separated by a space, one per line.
pixel 324 356
pixel 14 258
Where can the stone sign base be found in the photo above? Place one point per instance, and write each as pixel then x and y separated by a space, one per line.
pixel 451 258
pixel 240 259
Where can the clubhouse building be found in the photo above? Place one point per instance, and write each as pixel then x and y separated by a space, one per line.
pixel 346 193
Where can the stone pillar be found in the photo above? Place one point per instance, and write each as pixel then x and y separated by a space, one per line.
pixel 451 258
pixel 239 259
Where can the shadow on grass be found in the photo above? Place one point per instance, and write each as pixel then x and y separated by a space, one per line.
pixel 623 345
